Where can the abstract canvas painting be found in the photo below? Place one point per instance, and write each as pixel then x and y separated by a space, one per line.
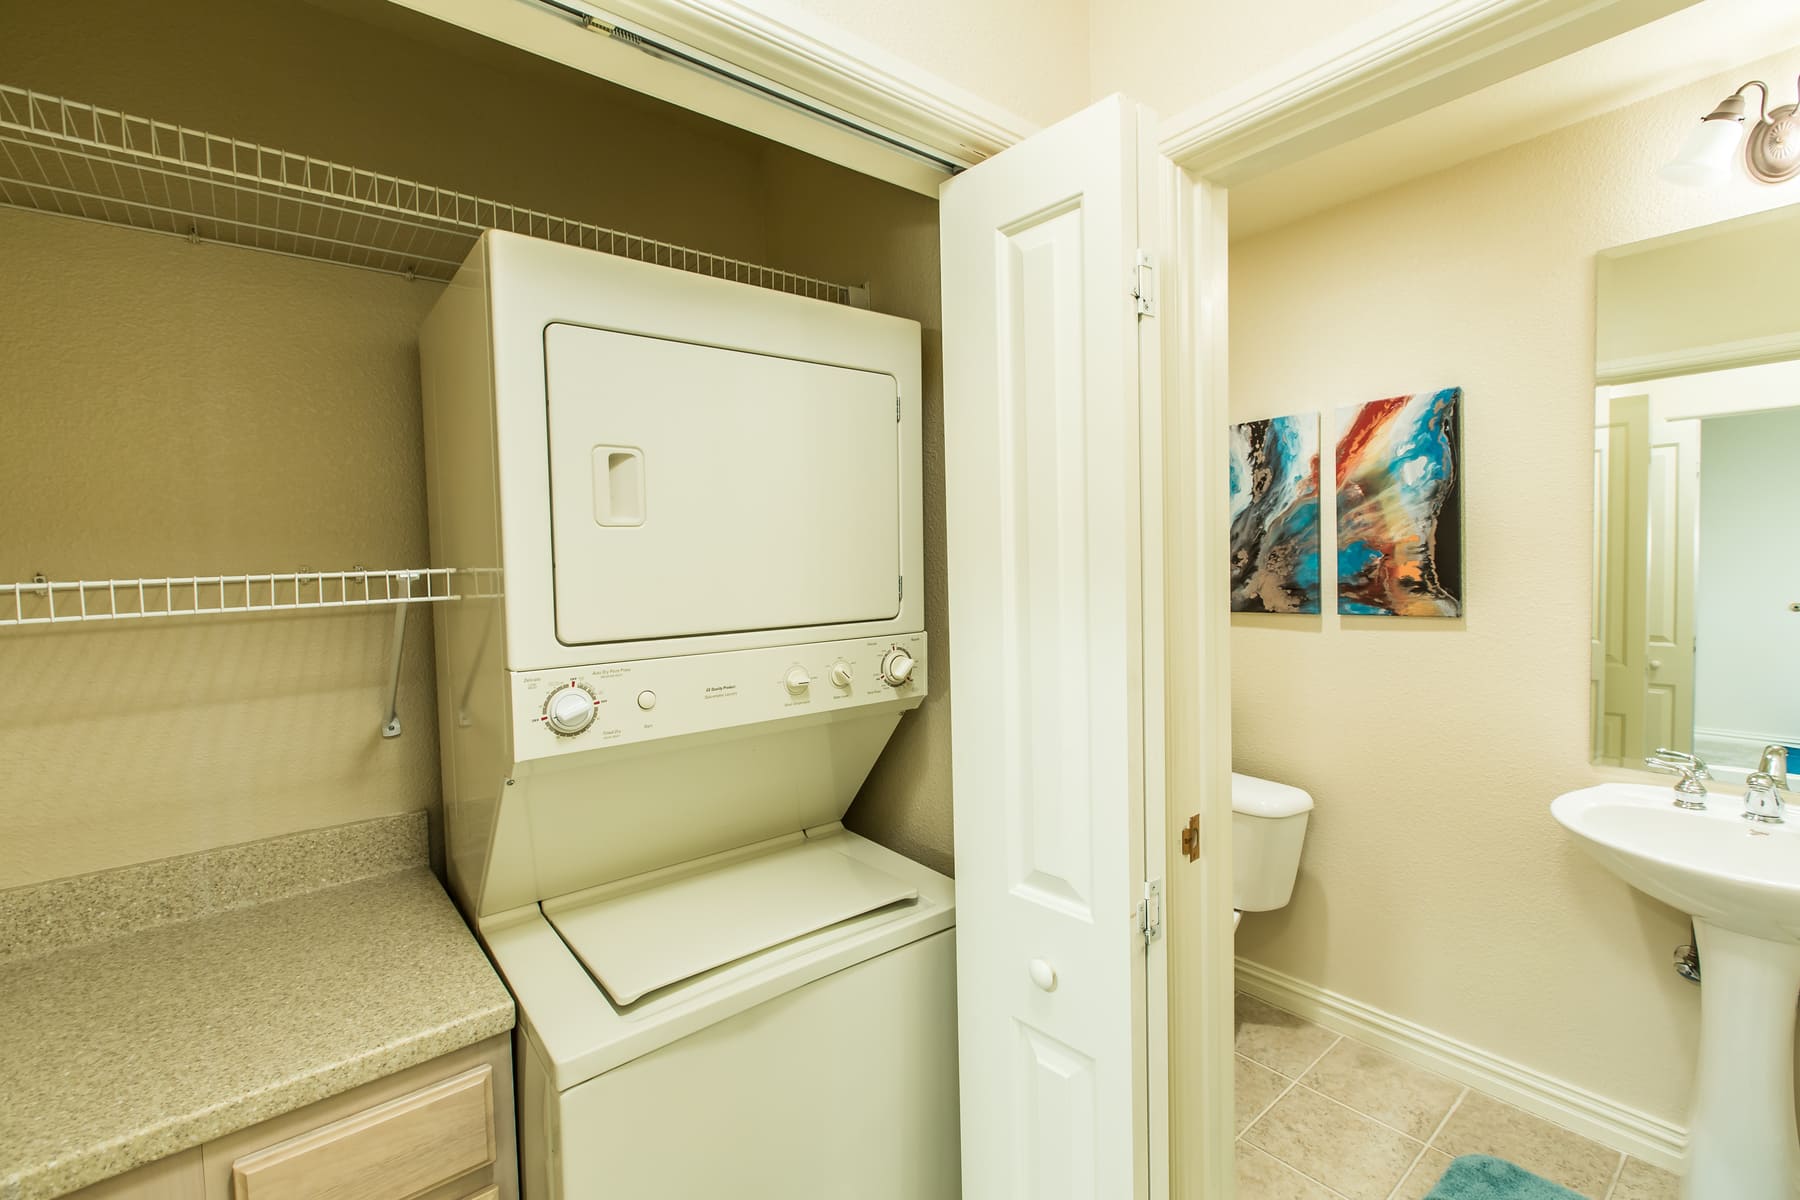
pixel 1399 506
pixel 1275 515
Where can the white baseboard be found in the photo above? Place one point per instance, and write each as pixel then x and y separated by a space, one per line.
pixel 1611 1124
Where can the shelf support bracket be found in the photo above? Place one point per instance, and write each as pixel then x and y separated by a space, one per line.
pixel 390 728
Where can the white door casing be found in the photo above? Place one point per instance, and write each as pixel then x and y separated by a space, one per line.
pixel 1043 425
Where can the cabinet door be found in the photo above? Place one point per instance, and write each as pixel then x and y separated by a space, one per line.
pixel 1044 407
pixel 441 1130
pixel 404 1147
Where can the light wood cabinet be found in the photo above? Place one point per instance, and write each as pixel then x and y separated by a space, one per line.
pixel 442 1130
pixel 402 1148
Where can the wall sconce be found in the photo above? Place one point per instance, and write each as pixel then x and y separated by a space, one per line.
pixel 1771 149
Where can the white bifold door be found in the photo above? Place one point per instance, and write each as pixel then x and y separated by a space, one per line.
pixel 1052 452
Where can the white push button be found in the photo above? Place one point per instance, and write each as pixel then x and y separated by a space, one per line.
pixel 646 700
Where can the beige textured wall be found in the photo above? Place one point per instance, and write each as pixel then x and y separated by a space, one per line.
pixel 1173 54
pixel 173 408
pixel 1027 56
pixel 195 409
pixel 828 222
pixel 1734 285
pixel 1434 883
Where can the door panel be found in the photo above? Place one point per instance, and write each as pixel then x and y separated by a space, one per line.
pixel 1042 413
pixel 1055 1160
pixel 1671 537
pixel 1600 725
pixel 1627 457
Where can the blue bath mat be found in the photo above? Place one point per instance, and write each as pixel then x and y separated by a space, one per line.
pixel 1478 1177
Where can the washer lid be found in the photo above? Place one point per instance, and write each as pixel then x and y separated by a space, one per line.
pixel 635 941
pixel 1265 798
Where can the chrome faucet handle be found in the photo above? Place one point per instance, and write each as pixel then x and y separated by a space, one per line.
pixel 1690 792
pixel 1774 763
pixel 1763 802
pixel 1681 758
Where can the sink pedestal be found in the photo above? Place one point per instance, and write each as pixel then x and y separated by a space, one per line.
pixel 1741 1143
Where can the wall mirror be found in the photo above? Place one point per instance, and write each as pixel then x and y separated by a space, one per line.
pixel 1696 577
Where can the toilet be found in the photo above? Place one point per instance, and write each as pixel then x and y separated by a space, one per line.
pixel 1268 823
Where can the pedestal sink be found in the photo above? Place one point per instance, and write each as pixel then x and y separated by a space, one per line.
pixel 1740 880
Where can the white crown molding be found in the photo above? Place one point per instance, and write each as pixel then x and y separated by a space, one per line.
pixel 1624 1129
pixel 792 54
pixel 1381 72
pixel 797 51
pixel 1721 356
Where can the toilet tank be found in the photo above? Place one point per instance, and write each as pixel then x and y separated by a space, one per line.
pixel 1268 824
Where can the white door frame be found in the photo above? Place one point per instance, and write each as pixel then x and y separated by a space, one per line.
pixel 1368 78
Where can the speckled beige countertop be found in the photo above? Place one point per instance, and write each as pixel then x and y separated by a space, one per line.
pixel 118 1052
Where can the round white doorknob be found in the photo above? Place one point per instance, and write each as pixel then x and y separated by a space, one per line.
pixel 1043 974
pixel 646 700
pixel 569 710
pixel 896 667
pixel 798 680
pixel 841 674
pixel 1656 664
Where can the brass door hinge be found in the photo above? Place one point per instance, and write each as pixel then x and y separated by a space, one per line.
pixel 1190 838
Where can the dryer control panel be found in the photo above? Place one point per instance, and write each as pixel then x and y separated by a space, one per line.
pixel 577 709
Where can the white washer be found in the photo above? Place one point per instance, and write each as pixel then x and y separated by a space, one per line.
pixel 824 1066
pixel 686 520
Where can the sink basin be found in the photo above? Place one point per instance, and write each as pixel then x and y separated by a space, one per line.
pixel 1713 865
pixel 1740 881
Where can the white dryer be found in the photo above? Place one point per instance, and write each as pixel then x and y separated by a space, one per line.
pixel 685 514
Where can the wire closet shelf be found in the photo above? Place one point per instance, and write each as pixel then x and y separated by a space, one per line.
pixel 93 163
pixel 49 602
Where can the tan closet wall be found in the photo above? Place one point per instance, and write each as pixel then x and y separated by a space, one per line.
pixel 170 408
pixel 828 222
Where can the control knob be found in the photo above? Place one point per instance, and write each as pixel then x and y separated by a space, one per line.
pixel 841 673
pixel 798 681
pixel 569 710
pixel 896 667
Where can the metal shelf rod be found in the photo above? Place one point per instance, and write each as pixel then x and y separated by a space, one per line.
pixel 97 164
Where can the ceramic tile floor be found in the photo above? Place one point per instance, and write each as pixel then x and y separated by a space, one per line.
pixel 1322 1117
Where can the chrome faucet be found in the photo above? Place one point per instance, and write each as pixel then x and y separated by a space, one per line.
pixel 1774 764
pixel 1690 789
pixel 1763 802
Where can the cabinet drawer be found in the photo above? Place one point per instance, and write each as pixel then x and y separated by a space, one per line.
pixel 407 1146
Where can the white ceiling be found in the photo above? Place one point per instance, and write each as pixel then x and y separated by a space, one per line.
pixel 1705 39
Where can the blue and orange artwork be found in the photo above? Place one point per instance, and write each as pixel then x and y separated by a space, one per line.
pixel 1275 515
pixel 1399 507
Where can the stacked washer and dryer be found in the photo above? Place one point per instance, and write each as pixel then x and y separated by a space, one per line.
pixel 703 503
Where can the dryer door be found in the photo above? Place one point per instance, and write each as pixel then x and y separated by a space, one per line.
pixel 700 490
